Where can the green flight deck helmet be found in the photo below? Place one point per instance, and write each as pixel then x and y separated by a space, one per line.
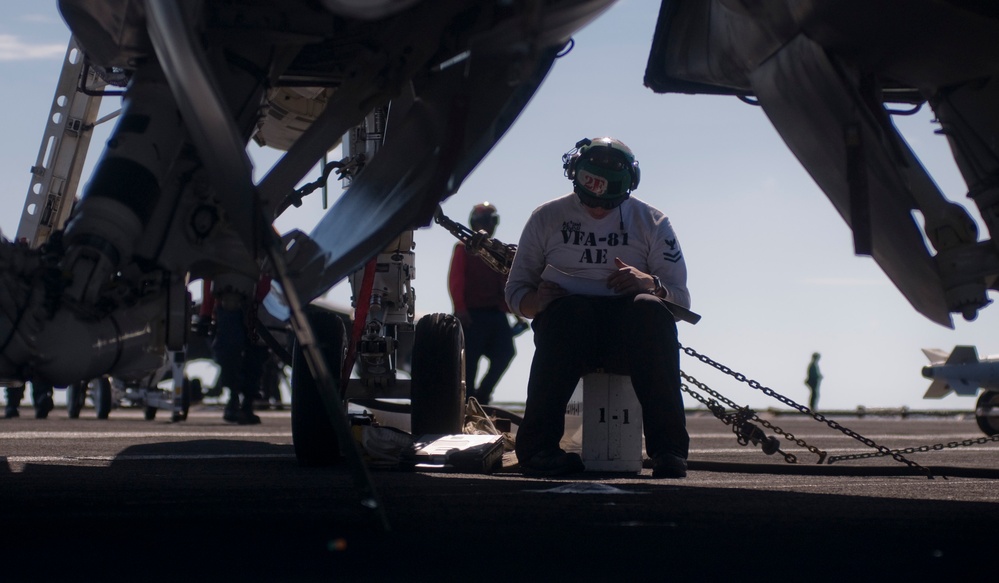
pixel 603 171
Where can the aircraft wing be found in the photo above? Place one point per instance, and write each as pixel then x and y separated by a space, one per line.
pixel 825 73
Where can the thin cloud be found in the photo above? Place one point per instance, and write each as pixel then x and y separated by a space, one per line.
pixel 843 281
pixel 13 48
pixel 39 18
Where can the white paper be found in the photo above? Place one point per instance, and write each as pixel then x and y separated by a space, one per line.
pixel 584 286
pixel 577 284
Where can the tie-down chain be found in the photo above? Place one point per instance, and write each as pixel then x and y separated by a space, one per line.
pixel 916 449
pixel 884 451
pixel 745 431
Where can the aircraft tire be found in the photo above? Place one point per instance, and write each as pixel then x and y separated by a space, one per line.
pixel 195 391
pixel 987 412
pixel 102 398
pixel 76 394
pixel 438 387
pixel 312 431
pixel 185 402
pixel 149 413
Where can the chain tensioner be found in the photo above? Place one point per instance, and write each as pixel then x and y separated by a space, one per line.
pixel 742 415
pixel 718 409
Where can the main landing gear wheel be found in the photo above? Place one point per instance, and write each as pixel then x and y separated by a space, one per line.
pixel 987 412
pixel 76 395
pixel 312 431
pixel 100 392
pixel 185 402
pixel 438 387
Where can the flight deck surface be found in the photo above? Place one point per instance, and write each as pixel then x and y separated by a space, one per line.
pixel 203 498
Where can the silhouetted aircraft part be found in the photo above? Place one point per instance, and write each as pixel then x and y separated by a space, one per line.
pixel 822 71
pixel 987 412
pixel 363 303
pixel 961 371
pixel 273 344
pixel 99 391
pixel 323 363
pixel 54 181
pixel 76 394
pixel 859 197
pixel 172 195
pixel 316 442
pixel 206 117
pixel 787 86
pixel 438 388
pixel 425 157
pixel 367 9
pixel 372 80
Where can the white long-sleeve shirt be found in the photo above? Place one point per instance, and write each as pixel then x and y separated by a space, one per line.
pixel 561 233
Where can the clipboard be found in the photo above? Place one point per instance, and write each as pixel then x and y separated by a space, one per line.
pixel 584 286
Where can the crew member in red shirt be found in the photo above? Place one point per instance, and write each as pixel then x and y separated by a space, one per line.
pixel 477 292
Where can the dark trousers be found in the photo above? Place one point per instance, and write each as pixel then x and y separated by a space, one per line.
pixel 489 335
pixel 576 335
pixel 40 392
pixel 240 360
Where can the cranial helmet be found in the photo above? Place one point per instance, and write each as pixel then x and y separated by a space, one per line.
pixel 603 171
pixel 484 215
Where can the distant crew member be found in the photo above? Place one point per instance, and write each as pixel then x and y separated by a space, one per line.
pixel 812 380
pixel 477 292
pixel 41 397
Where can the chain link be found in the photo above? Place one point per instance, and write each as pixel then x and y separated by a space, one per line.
pixel 787 435
pixel 803 409
pixel 744 435
pixel 740 424
pixel 917 449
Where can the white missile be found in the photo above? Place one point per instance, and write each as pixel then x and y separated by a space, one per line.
pixel 961 372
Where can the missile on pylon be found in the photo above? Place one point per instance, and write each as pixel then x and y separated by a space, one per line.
pixel 961 371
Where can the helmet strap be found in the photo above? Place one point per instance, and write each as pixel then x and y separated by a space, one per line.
pixel 597 202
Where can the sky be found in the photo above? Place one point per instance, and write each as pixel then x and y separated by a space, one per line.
pixel 771 268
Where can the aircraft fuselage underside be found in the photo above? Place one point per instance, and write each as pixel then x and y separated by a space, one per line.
pixel 172 196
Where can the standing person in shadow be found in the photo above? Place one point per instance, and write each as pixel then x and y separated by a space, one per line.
pixel 14 394
pixel 41 397
pixel 477 292
pixel 813 379
pixel 232 301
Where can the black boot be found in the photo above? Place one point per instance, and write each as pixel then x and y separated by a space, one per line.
pixel 232 412
pixel 43 407
pixel 247 416
pixel 14 396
